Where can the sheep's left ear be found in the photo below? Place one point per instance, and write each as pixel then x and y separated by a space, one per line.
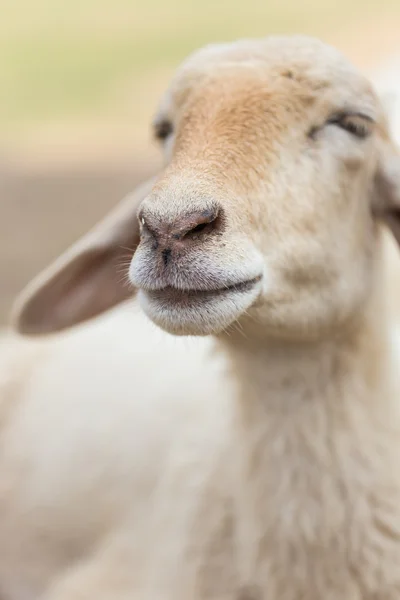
pixel 386 193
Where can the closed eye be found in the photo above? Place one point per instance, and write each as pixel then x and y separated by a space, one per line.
pixel 359 125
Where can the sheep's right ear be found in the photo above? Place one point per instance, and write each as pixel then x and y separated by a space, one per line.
pixel 386 200
pixel 86 280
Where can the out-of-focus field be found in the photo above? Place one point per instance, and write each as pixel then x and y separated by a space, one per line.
pixel 80 80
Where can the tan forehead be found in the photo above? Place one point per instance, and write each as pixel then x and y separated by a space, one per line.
pixel 299 66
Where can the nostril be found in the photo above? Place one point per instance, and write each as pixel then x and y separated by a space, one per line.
pixel 146 229
pixel 201 223
pixel 199 228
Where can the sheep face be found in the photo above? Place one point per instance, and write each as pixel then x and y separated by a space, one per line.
pixel 264 214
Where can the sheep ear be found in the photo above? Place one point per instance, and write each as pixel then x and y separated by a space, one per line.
pixel 386 200
pixel 87 279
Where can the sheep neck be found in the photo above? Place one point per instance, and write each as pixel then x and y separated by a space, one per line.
pixel 288 382
pixel 313 424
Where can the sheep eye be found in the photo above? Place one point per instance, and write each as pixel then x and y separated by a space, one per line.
pixel 356 124
pixel 163 129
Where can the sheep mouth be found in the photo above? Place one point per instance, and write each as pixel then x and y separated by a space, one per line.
pixel 170 295
pixel 199 312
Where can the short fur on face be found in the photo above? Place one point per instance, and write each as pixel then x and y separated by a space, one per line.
pixel 286 144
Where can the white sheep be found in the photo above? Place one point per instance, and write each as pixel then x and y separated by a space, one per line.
pixel 267 465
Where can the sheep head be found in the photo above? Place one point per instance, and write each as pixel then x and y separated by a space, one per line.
pixel 279 166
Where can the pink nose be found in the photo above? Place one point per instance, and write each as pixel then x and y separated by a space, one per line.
pixel 187 229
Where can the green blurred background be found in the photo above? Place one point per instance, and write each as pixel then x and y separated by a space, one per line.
pixel 80 79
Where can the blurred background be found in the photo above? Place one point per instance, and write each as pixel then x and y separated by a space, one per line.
pixel 80 80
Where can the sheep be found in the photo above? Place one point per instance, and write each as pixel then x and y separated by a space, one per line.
pixel 267 466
